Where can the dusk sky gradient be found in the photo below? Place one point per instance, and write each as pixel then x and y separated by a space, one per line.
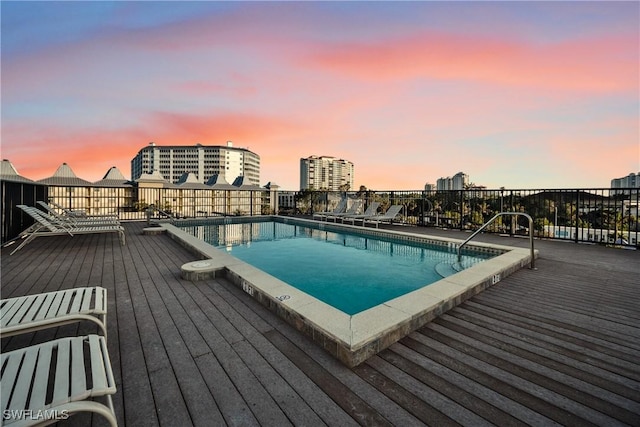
pixel 515 94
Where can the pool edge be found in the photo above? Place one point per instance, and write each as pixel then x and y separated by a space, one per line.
pixel 353 339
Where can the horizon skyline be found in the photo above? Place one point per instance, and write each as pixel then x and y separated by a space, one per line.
pixel 534 94
pixel 107 172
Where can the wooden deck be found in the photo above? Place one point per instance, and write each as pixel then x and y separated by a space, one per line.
pixel 559 345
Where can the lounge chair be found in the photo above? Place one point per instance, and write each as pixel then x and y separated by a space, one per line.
pixel 77 220
pixel 65 221
pixel 69 222
pixel 389 215
pixel 51 309
pixel 56 379
pixel 339 209
pixel 47 228
pixel 353 210
pixel 371 211
pixel 69 212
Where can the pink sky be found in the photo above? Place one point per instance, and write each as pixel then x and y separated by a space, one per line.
pixel 520 95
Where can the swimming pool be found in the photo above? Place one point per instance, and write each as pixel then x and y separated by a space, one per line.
pixel 348 271
pixel 351 338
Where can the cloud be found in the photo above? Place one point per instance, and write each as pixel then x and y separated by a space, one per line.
pixel 606 64
pixel 237 87
pixel 38 151
pixel 406 92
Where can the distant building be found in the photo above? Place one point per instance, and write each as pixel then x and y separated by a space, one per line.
pixel 459 181
pixel 630 181
pixel 173 161
pixel 114 194
pixel 287 200
pixel 105 197
pixel 325 173
pixel 110 193
pixel 429 187
pixel 476 190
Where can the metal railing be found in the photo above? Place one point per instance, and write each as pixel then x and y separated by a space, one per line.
pixel 608 216
pixel 151 209
pixel 596 215
pixel 478 231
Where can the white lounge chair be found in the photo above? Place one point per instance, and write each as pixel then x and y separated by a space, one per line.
pixel 69 212
pixel 68 222
pixel 56 379
pixel 47 228
pixel 389 215
pixel 31 313
pixel 79 220
pixel 371 211
pixel 353 210
pixel 339 209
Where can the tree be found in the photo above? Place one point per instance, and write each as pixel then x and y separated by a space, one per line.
pixel 477 218
pixel 540 223
pixel 303 200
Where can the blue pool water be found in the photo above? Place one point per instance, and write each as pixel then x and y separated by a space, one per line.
pixel 349 272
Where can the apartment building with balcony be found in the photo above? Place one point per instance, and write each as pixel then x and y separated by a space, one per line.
pixel 116 195
pixel 459 181
pixel 326 173
pixel 204 161
pixel 624 184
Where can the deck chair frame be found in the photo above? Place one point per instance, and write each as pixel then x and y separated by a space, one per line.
pixel 69 212
pixel 389 215
pixel 60 365
pixel 51 213
pixel 48 228
pixel 31 313
pixel 371 212
pixel 353 210
pixel 340 207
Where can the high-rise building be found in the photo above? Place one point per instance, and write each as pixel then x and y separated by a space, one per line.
pixel 429 187
pixel 630 181
pixel 459 181
pixel 325 173
pixel 204 161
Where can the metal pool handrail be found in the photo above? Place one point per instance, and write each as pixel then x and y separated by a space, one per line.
pixel 485 225
pixel 153 208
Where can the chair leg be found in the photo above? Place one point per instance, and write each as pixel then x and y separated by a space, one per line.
pixel 29 238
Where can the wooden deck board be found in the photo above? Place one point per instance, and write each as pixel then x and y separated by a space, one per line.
pixel 559 344
pixel 440 384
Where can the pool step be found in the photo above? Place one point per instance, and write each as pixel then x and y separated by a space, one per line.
pixel 446 269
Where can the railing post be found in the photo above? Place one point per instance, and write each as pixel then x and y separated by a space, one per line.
pixel 577 215
pixel 461 201
pixel 422 211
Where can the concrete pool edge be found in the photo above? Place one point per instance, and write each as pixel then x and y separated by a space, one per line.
pixel 353 339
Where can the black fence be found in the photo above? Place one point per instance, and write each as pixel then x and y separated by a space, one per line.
pixel 606 216
pixel 12 194
pixel 130 203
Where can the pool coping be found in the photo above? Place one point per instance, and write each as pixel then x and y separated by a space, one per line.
pixel 354 338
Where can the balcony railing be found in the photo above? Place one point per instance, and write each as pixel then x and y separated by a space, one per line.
pixel 605 216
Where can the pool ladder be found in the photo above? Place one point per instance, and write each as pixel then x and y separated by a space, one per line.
pixel 486 224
